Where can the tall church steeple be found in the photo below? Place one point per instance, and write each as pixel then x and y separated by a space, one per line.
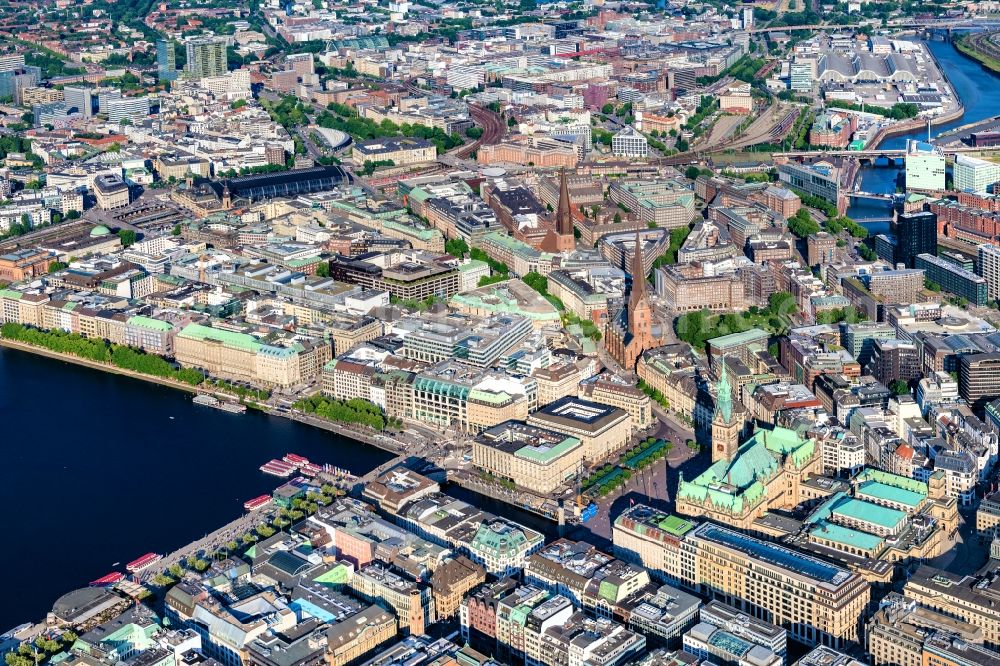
pixel 638 292
pixel 564 216
pixel 559 237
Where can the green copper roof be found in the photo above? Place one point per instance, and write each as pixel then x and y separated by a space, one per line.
pixel 472 264
pixel 231 339
pixel 11 294
pixel 890 493
pixel 847 536
pixel 509 540
pixel 338 575
pixel 866 511
pixel 545 455
pixel 891 487
pixel 736 339
pixel 676 526
pixel 738 483
pixel 150 323
pixel 608 591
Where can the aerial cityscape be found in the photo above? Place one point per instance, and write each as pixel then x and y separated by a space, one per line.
pixel 500 333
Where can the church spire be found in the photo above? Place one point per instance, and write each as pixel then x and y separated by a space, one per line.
pixel 564 217
pixel 724 403
pixel 638 274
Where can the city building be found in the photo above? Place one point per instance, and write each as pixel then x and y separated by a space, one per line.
pixel 979 379
pixel 821 248
pixel 166 60
pixel 972 174
pixel 988 517
pixel 819 602
pixel 411 601
pixel 539 460
pixel 665 203
pixel 915 233
pixel 111 192
pixel 629 142
pixel 954 279
pixel 765 472
pixel 970 598
pixel 924 166
pixel 206 57
pixel 902 633
pixel 989 269
pixel 403 151
pixel 820 179
pixel 711 643
pixel 602 429
pixel 738 623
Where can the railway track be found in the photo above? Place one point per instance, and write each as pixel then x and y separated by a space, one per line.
pixel 983 44
pixel 493 131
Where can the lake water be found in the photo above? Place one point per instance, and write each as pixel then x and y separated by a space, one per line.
pixel 99 468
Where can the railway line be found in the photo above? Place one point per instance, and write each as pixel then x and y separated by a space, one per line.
pixel 493 131
pixel 982 46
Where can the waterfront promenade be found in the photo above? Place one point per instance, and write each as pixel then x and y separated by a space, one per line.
pixel 377 440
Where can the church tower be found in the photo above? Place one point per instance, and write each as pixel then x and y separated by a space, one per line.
pixel 727 423
pixel 560 238
pixel 640 312
pixel 630 331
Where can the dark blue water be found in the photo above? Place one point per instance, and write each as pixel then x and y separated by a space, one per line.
pixel 979 90
pixel 96 471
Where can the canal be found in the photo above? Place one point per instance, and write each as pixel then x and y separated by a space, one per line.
pixel 99 468
pixel 979 90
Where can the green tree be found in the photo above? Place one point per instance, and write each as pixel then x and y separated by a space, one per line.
pixel 899 387
pixel 692 172
pixel 323 269
pixel 456 247
pixel 176 231
pixel 56 266
pixel 127 237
